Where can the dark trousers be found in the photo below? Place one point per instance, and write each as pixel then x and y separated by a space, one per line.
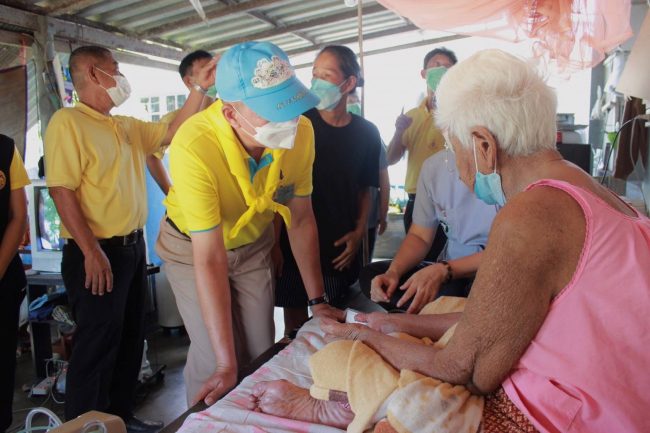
pixel 440 239
pixel 108 343
pixel 459 287
pixel 12 292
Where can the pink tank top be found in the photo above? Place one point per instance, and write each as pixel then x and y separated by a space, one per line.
pixel 588 367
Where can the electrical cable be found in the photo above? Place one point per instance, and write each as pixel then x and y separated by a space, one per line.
pixel 611 149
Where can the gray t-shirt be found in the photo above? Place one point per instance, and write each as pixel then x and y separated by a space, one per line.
pixel 443 198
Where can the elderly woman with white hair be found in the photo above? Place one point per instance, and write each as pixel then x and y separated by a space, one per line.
pixel 556 326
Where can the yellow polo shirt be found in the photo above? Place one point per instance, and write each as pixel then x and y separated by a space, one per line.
pixel 18 175
pixel 210 170
pixel 422 139
pixel 102 159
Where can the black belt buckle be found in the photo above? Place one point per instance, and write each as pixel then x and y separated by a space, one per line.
pixel 123 241
pixel 132 238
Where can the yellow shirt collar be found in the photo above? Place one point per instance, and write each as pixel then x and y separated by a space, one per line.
pixel 237 158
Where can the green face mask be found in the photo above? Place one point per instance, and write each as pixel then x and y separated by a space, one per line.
pixel 354 108
pixel 212 92
pixel 434 75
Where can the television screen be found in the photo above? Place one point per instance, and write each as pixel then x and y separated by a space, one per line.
pixel 49 223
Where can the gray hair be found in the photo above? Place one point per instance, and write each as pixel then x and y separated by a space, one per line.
pixel 502 93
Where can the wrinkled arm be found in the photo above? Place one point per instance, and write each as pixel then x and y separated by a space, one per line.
pixel 15 230
pixel 520 273
pixel 159 173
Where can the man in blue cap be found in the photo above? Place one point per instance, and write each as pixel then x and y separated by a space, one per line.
pixel 234 166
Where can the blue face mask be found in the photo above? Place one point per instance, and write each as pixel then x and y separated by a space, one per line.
pixel 329 93
pixel 487 187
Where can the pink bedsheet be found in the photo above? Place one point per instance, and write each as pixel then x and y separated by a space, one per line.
pixel 229 413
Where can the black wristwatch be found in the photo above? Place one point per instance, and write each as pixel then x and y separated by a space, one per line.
pixel 320 300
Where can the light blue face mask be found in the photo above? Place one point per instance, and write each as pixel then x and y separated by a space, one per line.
pixel 329 93
pixel 487 187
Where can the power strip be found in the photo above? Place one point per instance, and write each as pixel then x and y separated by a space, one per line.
pixel 43 388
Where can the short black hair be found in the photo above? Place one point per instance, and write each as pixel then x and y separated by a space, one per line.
pixel 347 62
pixel 188 61
pixel 95 52
pixel 442 50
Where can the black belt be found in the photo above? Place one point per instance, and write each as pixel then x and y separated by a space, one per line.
pixel 175 227
pixel 118 241
pixel 412 197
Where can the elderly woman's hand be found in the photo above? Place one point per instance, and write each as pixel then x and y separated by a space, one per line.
pixel 346 331
pixel 382 322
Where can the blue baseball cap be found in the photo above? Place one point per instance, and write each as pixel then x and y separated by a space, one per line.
pixel 259 75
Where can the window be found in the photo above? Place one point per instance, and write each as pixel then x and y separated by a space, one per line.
pixel 155 105
pixel 155 117
pixel 171 103
pixel 180 100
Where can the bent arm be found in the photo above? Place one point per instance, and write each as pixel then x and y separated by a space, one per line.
pixel 396 147
pixel 213 289
pixel 505 308
pixel 364 208
pixel 413 249
pixel 159 173
pixel 194 103
pixel 303 237
pixel 465 267
pixel 73 219
pixel 15 230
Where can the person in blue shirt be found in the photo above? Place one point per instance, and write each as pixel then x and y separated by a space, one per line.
pixel 441 198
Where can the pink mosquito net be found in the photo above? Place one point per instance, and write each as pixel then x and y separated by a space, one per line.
pixel 574 33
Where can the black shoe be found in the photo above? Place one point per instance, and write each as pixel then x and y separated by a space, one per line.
pixel 135 425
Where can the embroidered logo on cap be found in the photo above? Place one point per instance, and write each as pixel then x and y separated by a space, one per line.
pixel 269 73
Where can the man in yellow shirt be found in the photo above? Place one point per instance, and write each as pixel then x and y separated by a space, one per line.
pixel 13 223
pixel 95 172
pixel 416 131
pixel 233 166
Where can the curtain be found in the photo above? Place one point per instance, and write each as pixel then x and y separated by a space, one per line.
pixel 574 33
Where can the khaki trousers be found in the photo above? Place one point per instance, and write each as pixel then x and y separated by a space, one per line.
pixel 252 297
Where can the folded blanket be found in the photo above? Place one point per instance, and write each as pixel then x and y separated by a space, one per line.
pixel 412 402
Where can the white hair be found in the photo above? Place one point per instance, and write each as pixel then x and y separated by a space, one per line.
pixel 502 93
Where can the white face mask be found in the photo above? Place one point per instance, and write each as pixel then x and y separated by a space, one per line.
pixel 121 91
pixel 274 135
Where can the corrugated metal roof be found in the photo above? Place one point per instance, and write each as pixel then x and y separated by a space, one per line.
pixel 297 26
